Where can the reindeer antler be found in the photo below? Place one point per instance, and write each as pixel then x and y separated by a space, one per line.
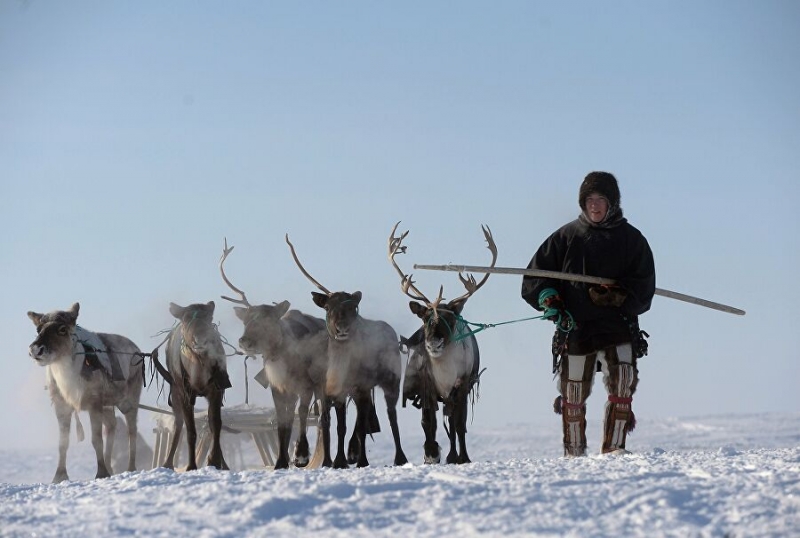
pixel 406 284
pixel 469 282
pixel 243 300
pixel 302 269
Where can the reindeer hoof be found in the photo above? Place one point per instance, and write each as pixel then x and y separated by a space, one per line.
pixel 60 476
pixel 102 472
pixel 301 456
pixel 353 452
pixel 433 453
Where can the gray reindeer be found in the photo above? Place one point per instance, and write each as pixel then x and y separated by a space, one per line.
pixel 293 346
pixel 91 372
pixel 444 364
pixel 196 366
pixel 362 354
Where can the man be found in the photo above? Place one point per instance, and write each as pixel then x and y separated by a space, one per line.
pixel 600 322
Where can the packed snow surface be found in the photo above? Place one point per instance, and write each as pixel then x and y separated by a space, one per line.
pixel 733 475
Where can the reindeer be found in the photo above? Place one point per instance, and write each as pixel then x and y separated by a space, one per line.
pixel 362 354
pixel 293 347
pixel 196 366
pixel 91 372
pixel 444 364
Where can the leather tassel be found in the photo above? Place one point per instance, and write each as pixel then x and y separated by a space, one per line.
pixel 557 405
pixel 629 427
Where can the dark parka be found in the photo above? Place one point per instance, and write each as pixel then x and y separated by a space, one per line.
pixel 612 249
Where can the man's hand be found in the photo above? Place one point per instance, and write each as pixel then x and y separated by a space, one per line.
pixel 554 307
pixel 555 310
pixel 607 295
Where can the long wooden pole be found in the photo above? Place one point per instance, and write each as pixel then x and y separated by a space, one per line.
pixel 575 278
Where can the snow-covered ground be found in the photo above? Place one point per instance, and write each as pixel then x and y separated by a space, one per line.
pixel 731 475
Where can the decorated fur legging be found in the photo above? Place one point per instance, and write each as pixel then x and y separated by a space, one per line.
pixel 620 376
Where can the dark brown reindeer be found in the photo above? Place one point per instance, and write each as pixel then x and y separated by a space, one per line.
pixel 294 349
pixel 362 354
pixel 444 364
pixel 196 366
pixel 91 372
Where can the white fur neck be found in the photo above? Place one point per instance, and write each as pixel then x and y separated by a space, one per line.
pixel 66 373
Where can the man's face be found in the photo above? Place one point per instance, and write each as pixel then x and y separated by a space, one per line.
pixel 596 207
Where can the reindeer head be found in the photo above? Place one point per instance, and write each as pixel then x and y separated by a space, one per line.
pixel 341 311
pixel 341 308
pixel 441 323
pixel 262 327
pixel 262 323
pixel 201 340
pixel 55 335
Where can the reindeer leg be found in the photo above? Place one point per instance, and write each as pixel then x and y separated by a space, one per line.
pixel 461 425
pixel 215 458
pixel 64 416
pixel 325 424
pixel 187 410
pixel 131 419
pixel 96 420
pixel 288 425
pixel 363 404
pixel 110 427
pixel 177 413
pixel 191 438
pixel 431 447
pixel 452 456
pixel 301 452
pixel 392 394
pixel 340 462
pixel 318 457
pixel 354 445
pixel 285 414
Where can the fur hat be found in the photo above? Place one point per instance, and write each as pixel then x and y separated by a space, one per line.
pixel 602 183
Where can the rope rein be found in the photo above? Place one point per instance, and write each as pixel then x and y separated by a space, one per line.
pixel 463 330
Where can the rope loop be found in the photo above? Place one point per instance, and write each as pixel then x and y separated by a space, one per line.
pixel 564 324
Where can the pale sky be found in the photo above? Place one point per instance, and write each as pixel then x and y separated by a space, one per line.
pixel 134 137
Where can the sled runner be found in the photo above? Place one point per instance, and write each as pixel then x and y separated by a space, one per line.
pixel 259 423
